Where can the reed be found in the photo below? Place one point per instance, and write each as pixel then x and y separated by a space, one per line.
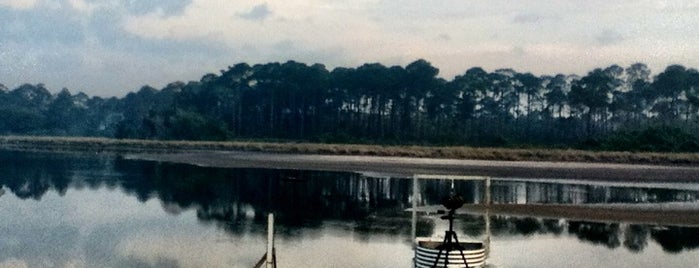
pixel 92 144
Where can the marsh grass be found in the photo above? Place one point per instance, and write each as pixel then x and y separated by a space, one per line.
pixel 90 144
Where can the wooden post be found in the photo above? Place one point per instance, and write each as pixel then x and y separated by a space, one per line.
pixel 487 202
pixel 413 226
pixel 270 241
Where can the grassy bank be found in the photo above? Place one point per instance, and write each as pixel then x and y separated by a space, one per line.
pixel 85 144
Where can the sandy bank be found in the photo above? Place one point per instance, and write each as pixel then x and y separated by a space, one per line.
pixel 409 166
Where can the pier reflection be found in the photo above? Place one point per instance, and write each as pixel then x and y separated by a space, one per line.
pixel 237 200
pixel 562 192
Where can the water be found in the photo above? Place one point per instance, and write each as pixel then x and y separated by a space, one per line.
pixel 72 210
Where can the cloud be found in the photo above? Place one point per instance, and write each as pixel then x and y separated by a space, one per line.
pixel 523 18
pixel 259 12
pixel 40 26
pixel 165 8
pixel 18 4
pixel 80 5
pixel 13 263
pixel 519 51
pixel 82 45
pixel 444 37
pixel 35 246
pixel 309 25
pixel 107 45
pixel 609 37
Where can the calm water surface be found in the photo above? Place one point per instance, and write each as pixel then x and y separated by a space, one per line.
pixel 71 210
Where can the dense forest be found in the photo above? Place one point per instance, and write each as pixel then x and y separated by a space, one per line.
pixel 612 108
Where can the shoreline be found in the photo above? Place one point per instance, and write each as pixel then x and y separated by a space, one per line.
pixel 399 160
pixel 111 145
pixel 414 167
pixel 410 166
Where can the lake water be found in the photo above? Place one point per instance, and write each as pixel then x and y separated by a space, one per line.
pixel 74 210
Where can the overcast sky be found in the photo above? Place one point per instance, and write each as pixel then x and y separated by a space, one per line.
pixel 111 47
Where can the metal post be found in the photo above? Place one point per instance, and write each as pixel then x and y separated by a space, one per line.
pixel 270 241
pixel 488 201
pixel 413 226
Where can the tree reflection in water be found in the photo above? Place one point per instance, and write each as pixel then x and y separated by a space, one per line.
pixel 237 200
pixel 598 233
pixel 636 237
pixel 231 199
pixel 676 239
pixel 673 239
pixel 554 226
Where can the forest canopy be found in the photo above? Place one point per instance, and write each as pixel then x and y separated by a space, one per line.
pixel 613 108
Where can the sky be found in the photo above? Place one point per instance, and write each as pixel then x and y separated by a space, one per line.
pixel 112 47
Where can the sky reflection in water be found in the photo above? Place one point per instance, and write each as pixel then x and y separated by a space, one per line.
pixel 99 211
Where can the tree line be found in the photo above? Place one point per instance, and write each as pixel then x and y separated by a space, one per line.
pixel 624 108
